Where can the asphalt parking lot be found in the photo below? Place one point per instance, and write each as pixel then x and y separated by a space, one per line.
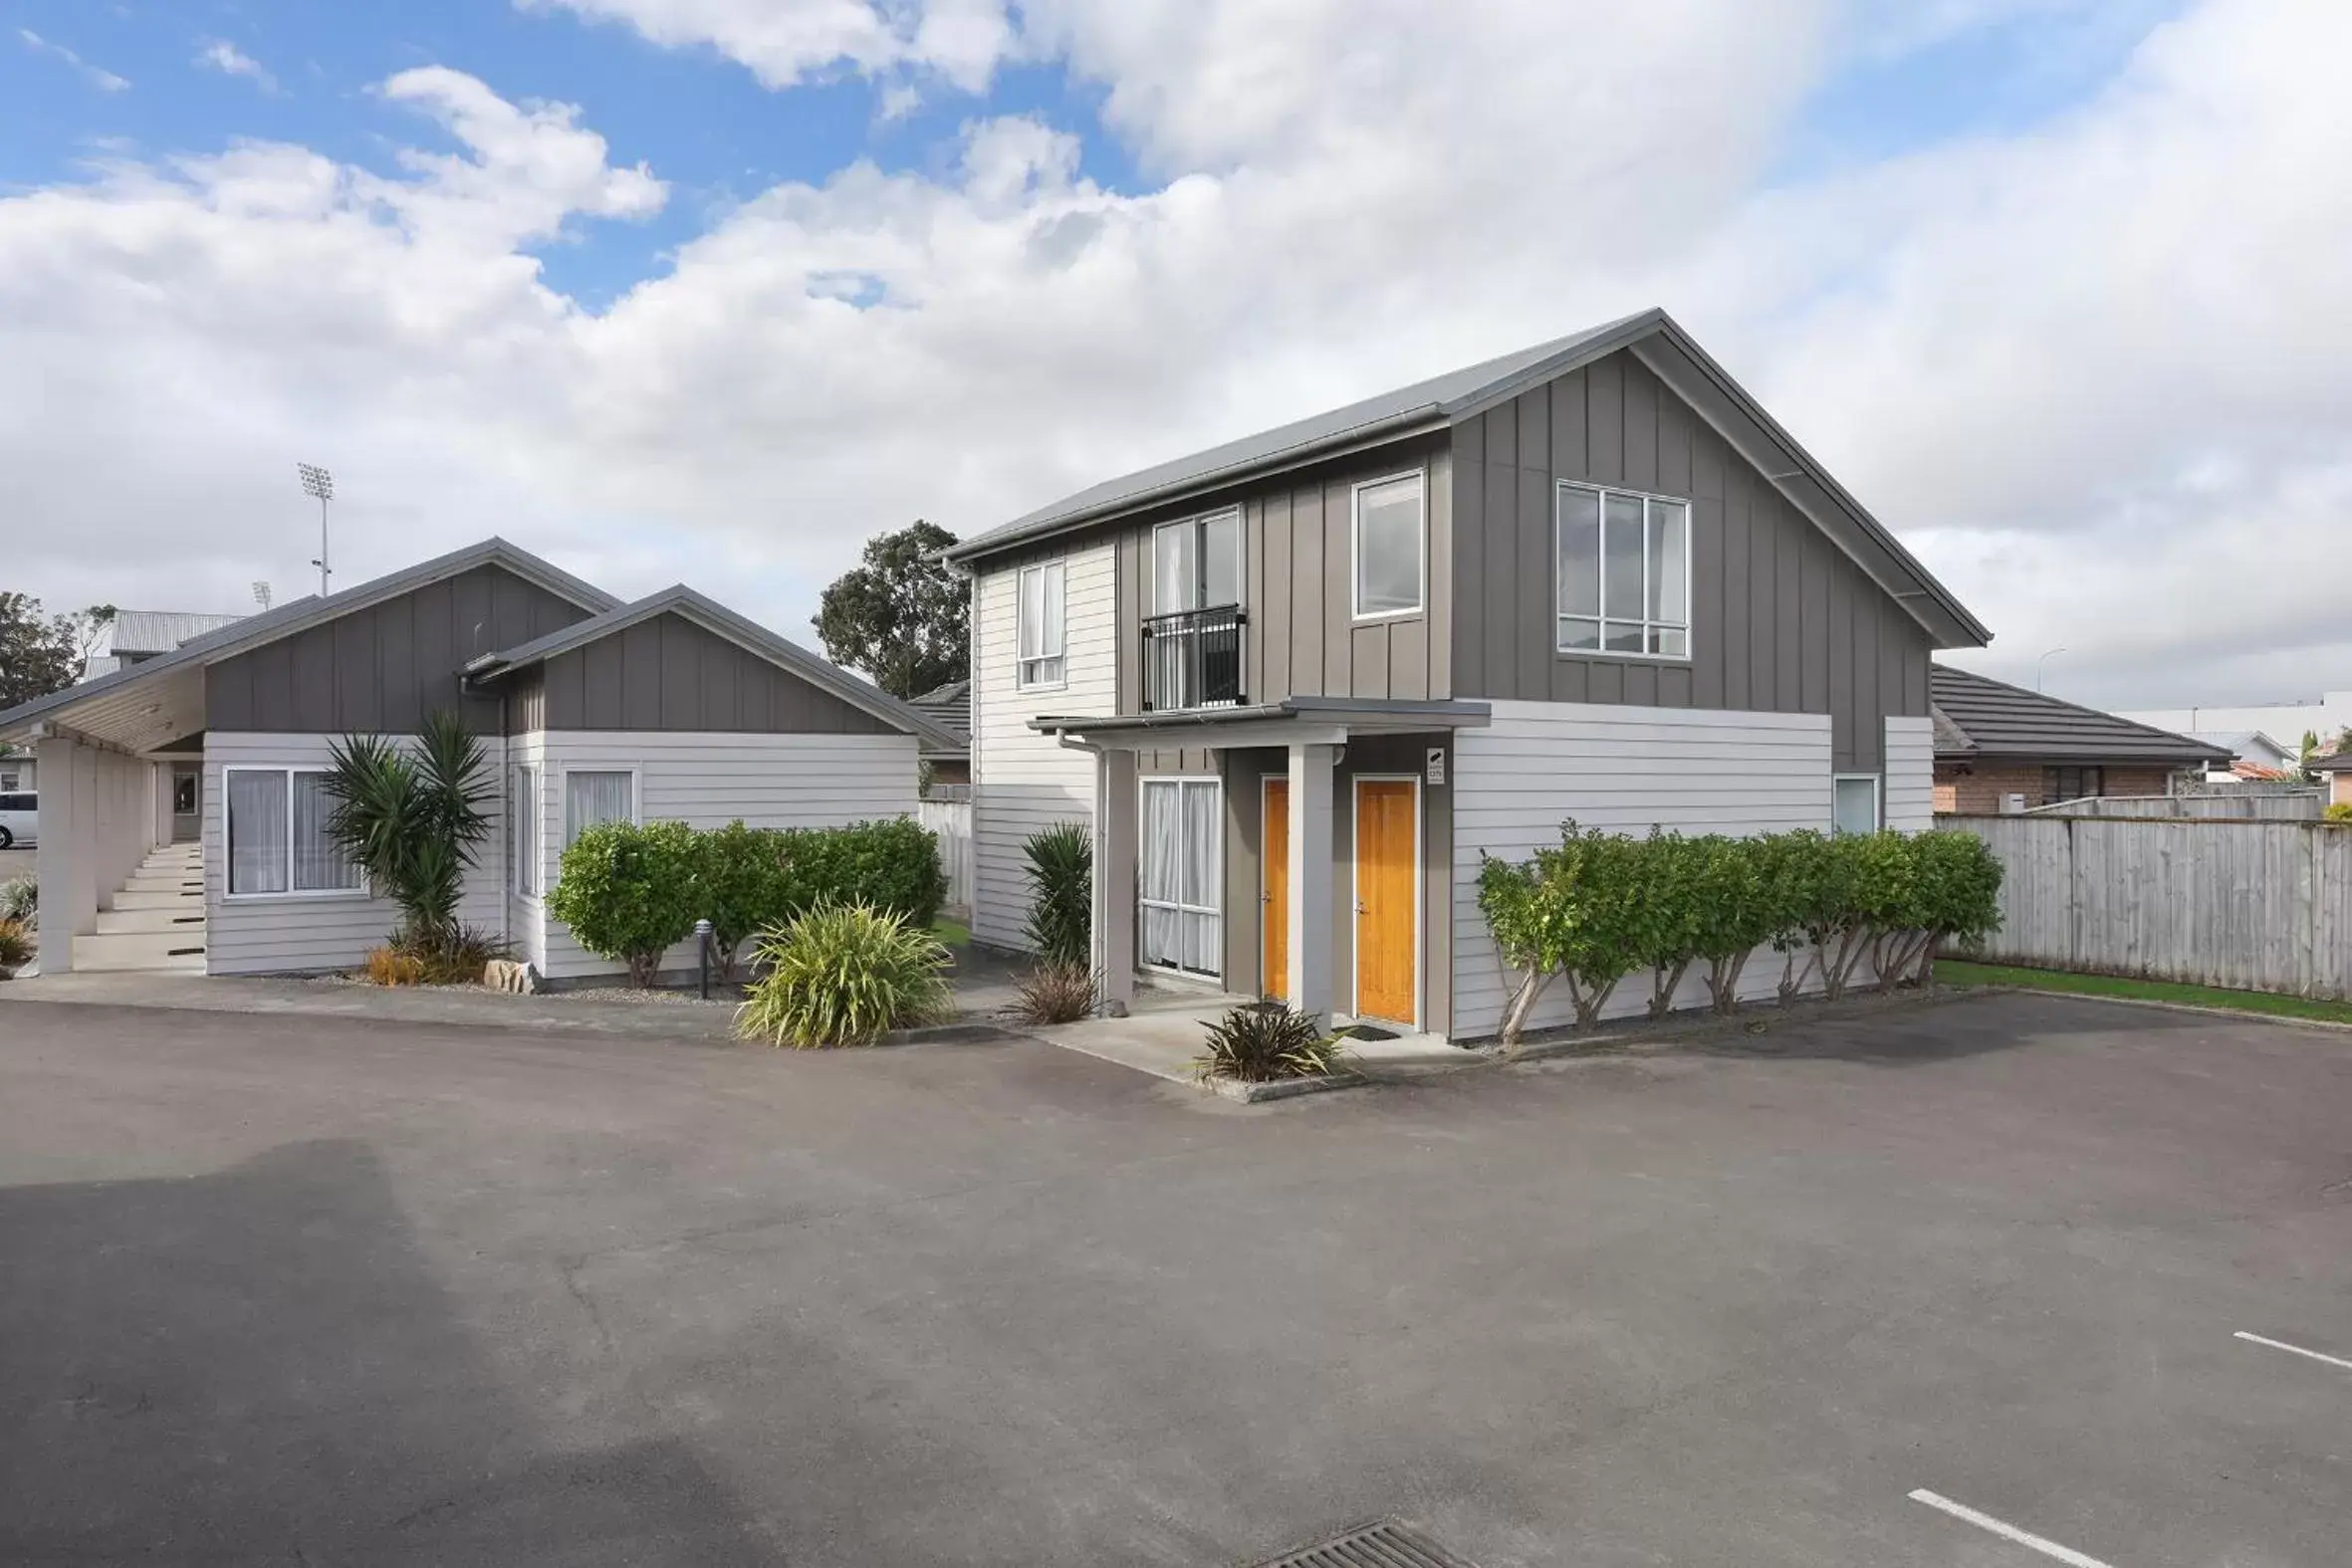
pixel 285 1290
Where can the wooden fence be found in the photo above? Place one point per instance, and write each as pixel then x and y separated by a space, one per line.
pixel 2300 805
pixel 951 822
pixel 2255 906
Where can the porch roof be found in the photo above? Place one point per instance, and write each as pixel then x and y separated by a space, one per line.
pixel 1309 720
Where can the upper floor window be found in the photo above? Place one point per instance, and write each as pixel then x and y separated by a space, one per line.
pixel 1038 636
pixel 1196 564
pixel 1391 546
pixel 1624 565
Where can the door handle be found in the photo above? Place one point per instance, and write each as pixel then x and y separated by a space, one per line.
pixel 1360 907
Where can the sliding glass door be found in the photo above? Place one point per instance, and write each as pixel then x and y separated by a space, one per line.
pixel 1183 875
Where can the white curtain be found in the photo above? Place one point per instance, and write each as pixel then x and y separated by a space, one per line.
pixel 522 830
pixel 257 832
pixel 1201 863
pixel 1180 892
pixel 590 799
pixel 319 861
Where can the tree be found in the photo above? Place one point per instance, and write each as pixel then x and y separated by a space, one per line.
pixel 412 820
pixel 40 654
pixel 903 617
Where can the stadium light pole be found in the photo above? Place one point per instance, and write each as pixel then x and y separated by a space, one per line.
pixel 315 481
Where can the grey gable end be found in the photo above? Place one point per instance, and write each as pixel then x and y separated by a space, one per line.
pixel 667 673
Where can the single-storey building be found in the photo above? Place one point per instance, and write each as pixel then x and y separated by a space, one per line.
pixel 2001 748
pixel 589 710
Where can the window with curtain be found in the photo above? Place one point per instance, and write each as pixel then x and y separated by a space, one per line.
pixel 1181 879
pixel 522 815
pixel 1196 564
pixel 278 837
pixel 1853 806
pixel 593 797
pixel 1038 635
pixel 1391 546
pixel 1623 572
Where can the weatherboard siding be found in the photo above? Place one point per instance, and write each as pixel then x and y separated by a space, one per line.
pixel 1022 781
pixel 667 673
pixel 313 932
pixel 1909 798
pixel 1625 768
pixel 1781 620
pixel 708 780
pixel 381 668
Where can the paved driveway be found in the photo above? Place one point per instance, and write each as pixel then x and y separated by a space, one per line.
pixel 285 1290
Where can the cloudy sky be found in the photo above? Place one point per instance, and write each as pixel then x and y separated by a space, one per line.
pixel 714 289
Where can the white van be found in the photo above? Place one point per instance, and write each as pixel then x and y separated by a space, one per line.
pixel 20 819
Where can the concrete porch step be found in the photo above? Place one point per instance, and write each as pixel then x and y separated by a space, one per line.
pixel 173 898
pixel 141 949
pixel 186 916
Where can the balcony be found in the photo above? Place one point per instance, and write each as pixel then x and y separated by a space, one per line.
pixel 1193 659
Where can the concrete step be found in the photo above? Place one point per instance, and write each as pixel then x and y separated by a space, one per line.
pixel 158 882
pixel 123 922
pixel 139 949
pixel 136 898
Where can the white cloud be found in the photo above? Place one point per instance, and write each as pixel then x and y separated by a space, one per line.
pixel 2094 372
pixel 230 61
pixel 96 76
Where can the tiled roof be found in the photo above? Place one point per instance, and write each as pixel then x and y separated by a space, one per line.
pixel 1981 717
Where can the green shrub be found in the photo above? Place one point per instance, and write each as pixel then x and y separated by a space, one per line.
pixel 2340 812
pixel 1571 911
pixel 1062 893
pixel 1959 900
pixel 1055 994
pixel 1266 1042
pixel 892 866
pixel 20 901
pixel 1742 906
pixel 842 974
pixel 628 891
pixel 742 887
pixel 1668 917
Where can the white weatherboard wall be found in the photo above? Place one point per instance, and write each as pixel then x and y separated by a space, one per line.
pixel 287 933
pixel 1022 780
pixel 709 780
pixel 1910 798
pixel 526 918
pixel 1696 770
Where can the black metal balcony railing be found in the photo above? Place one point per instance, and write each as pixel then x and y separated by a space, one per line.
pixel 1193 659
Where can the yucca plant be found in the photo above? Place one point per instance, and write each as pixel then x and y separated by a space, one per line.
pixel 411 819
pixel 842 975
pixel 1259 1044
pixel 1055 994
pixel 1062 893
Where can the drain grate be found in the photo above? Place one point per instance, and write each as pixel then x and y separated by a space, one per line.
pixel 1386 1544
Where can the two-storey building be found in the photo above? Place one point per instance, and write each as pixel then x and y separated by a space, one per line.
pixel 1300 683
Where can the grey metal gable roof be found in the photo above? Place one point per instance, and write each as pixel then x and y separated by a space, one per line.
pixel 160 631
pixel 741 630
pixel 1661 344
pixel 1996 719
pixel 295 615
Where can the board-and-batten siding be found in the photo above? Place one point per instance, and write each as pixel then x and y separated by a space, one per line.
pixel 709 780
pixel 381 668
pixel 1300 635
pixel 1781 620
pixel 1022 780
pixel 310 932
pixel 669 673
pixel 1910 784
pixel 1624 769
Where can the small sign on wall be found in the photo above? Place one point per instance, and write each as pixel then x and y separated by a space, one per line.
pixel 1436 773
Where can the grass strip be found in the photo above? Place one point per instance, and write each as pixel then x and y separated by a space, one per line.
pixel 1955 973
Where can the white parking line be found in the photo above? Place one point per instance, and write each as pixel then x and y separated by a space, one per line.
pixel 2006 1530
pixel 2281 1344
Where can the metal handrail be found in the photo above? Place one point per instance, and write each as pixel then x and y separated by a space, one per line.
pixel 1193 659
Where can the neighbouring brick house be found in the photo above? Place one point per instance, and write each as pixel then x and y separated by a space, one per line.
pixel 2001 748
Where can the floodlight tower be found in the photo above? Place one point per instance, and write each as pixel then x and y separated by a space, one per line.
pixel 315 481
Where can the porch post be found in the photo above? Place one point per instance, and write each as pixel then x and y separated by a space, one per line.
pixel 1311 880
pixel 1114 878
pixel 66 859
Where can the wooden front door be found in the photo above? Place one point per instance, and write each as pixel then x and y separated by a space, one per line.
pixel 1387 891
pixel 1274 843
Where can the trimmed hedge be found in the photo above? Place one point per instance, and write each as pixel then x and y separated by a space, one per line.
pixel 641 888
pixel 1598 907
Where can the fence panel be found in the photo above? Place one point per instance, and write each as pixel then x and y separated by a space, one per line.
pixel 951 821
pixel 2303 805
pixel 2249 905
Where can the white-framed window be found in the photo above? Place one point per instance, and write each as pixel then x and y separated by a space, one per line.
pixel 522 817
pixel 1854 804
pixel 1391 531
pixel 1197 563
pixel 1038 633
pixel 1181 881
pixel 278 838
pixel 595 795
pixel 1622 573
